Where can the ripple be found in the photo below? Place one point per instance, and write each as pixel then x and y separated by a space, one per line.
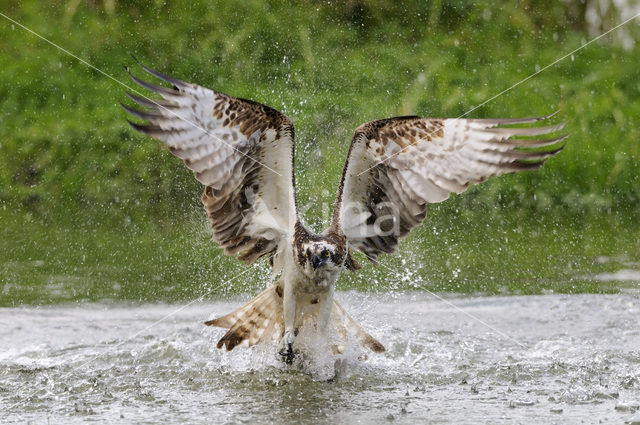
pixel 549 357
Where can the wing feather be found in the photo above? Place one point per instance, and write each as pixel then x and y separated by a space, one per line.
pixel 404 163
pixel 242 151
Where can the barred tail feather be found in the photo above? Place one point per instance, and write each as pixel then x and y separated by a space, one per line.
pixel 344 324
pixel 258 320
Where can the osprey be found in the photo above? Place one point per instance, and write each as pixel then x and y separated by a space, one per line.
pixel 243 152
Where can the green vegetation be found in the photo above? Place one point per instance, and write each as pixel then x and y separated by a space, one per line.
pixel 91 210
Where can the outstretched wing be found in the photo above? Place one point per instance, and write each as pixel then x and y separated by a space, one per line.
pixel 240 150
pixel 396 166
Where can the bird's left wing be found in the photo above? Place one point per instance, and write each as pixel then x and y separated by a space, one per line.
pixel 242 151
pixel 398 165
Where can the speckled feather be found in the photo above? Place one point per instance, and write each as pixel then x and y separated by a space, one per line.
pixel 396 166
pixel 242 151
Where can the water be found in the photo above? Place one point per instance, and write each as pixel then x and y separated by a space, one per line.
pixel 556 358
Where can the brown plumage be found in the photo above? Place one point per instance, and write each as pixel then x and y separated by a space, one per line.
pixel 236 169
pixel 258 320
pixel 242 152
pixel 396 166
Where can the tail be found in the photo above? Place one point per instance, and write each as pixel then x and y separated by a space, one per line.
pixel 258 320
pixel 261 320
pixel 344 325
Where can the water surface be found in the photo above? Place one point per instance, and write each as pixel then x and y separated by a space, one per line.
pixel 555 358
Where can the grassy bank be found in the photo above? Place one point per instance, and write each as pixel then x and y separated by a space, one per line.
pixel 92 210
pixel 64 142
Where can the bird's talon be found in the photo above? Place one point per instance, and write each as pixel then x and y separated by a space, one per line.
pixel 287 355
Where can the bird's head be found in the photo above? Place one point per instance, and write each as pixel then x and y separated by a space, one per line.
pixel 320 257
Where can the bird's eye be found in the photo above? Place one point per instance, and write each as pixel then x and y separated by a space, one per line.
pixel 325 254
pixel 308 253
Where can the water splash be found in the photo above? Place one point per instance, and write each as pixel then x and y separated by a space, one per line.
pixel 566 358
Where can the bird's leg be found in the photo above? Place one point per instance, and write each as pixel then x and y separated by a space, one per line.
pixel 324 314
pixel 289 316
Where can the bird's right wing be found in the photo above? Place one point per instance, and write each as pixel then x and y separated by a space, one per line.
pixel 242 151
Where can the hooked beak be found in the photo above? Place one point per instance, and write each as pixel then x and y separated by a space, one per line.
pixel 316 261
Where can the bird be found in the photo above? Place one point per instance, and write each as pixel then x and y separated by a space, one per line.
pixel 243 153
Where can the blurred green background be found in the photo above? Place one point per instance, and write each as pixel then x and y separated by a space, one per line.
pixel 91 210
